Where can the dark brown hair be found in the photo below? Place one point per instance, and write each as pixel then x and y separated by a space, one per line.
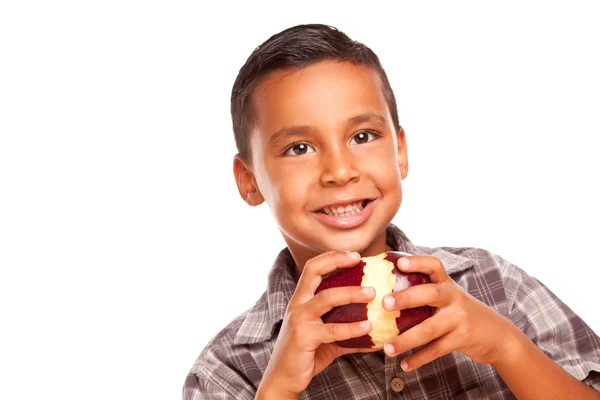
pixel 297 47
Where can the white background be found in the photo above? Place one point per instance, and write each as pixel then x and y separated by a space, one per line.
pixel 124 246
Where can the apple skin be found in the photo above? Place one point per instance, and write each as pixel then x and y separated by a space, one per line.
pixel 359 311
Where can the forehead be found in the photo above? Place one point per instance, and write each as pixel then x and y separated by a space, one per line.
pixel 323 95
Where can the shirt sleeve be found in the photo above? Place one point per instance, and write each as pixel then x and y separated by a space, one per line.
pixel 216 378
pixel 193 390
pixel 554 327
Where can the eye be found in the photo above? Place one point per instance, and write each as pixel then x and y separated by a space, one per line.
pixel 298 149
pixel 364 137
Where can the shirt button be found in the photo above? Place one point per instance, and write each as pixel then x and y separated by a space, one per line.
pixel 397 385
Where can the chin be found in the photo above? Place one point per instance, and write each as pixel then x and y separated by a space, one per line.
pixel 359 240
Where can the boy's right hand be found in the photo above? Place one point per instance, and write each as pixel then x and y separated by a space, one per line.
pixel 305 345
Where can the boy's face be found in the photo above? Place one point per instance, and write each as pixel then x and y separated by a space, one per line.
pixel 323 138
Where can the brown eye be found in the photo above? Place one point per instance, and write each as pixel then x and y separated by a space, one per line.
pixel 299 149
pixel 364 137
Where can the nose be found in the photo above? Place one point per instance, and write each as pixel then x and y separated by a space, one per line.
pixel 338 168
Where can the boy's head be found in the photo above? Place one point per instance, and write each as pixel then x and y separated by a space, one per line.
pixel 316 126
pixel 295 48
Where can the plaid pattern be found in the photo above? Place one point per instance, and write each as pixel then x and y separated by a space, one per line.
pixel 232 364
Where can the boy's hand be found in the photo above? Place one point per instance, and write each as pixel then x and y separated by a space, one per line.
pixel 305 344
pixel 460 321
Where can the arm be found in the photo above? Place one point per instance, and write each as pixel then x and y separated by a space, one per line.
pixel 197 388
pixel 305 345
pixel 551 336
pixel 463 323
pixel 530 374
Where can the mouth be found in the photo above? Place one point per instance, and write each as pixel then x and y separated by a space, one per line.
pixel 347 214
pixel 344 209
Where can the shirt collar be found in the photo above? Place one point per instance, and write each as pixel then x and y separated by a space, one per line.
pixel 262 319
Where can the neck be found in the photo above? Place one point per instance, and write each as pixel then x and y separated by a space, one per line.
pixel 301 254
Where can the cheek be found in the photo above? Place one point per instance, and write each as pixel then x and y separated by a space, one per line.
pixel 382 165
pixel 291 186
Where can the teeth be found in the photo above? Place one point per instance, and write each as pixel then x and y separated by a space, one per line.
pixel 350 209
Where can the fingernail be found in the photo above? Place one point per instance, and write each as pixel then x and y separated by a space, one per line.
pixel 353 254
pixel 389 301
pixel 389 349
pixel 404 365
pixel 404 263
pixel 367 290
pixel 364 324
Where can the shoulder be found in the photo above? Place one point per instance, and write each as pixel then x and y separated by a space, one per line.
pixel 209 374
pixel 220 348
pixel 458 259
pixel 230 363
pixel 484 260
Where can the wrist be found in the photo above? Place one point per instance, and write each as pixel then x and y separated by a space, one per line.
pixel 513 349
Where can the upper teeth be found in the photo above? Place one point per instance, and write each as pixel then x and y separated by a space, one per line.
pixel 350 209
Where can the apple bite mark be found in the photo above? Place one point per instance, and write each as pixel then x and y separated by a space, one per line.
pixel 379 274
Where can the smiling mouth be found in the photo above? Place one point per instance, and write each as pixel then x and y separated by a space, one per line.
pixel 344 211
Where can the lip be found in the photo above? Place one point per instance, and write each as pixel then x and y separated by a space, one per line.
pixel 347 222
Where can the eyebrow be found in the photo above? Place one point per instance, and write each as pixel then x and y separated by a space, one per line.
pixel 301 129
pixel 368 117
pixel 287 132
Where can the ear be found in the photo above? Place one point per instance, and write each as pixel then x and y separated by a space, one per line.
pixel 244 178
pixel 402 153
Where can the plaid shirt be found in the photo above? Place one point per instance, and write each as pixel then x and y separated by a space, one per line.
pixel 233 363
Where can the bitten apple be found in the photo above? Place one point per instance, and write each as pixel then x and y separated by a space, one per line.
pixel 381 273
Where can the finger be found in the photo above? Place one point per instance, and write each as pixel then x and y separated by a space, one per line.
pixel 428 265
pixel 346 350
pixel 431 351
pixel 329 333
pixel 316 267
pixel 428 294
pixel 423 333
pixel 325 300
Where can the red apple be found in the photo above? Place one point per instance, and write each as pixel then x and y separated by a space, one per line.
pixel 381 273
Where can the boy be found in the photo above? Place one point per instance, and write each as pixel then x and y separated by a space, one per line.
pixel 316 126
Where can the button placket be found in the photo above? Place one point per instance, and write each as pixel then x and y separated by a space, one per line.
pixel 395 378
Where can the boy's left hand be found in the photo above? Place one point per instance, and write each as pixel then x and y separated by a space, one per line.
pixel 460 322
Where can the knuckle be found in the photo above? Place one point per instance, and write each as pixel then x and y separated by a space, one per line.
pixel 294 331
pixel 329 297
pixel 293 318
pixel 434 351
pixel 466 324
pixel 465 333
pixel 439 265
pixel 322 296
pixel 312 263
pixel 358 295
pixel 461 300
pixel 404 297
pixel 401 344
pixel 437 292
pixel 332 329
pixel 428 330
pixel 462 315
